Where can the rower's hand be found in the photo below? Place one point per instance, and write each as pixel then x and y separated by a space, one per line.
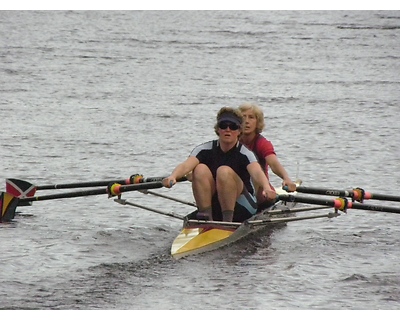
pixel 168 182
pixel 288 185
pixel 269 194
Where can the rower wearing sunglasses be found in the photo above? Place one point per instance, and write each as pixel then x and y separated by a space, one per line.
pixel 223 171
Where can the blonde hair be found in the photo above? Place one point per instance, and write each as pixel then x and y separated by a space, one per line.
pixel 257 112
pixel 235 112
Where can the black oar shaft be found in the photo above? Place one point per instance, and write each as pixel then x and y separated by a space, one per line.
pixel 91 192
pixel 100 183
pixel 372 207
pixel 357 193
pixel 81 184
pixel 73 194
pixel 18 184
pixel 337 203
pixel 326 192
pixel 381 197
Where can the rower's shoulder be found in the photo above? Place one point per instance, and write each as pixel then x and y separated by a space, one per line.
pixel 206 145
pixel 262 142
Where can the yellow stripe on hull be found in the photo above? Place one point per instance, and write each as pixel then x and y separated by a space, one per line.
pixel 196 239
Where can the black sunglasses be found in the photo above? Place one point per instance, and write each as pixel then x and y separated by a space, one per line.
pixel 225 124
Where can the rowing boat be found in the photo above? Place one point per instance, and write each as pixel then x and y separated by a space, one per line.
pixel 198 236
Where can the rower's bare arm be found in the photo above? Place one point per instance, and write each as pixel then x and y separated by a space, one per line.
pixel 180 171
pixel 278 169
pixel 258 175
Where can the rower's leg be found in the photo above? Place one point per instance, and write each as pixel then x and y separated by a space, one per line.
pixel 203 186
pixel 229 187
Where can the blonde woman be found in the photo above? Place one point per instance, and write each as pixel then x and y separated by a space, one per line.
pixel 253 125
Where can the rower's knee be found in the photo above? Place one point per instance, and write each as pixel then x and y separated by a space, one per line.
pixel 203 184
pixel 227 178
pixel 224 173
pixel 201 171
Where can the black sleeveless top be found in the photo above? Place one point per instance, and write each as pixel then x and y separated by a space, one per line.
pixel 237 158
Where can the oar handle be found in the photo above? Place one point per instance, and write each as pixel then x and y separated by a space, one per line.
pixel 153 179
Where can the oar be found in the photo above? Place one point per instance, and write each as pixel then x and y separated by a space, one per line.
pixel 341 204
pixel 12 184
pixel 22 189
pixel 8 203
pixel 356 194
pixel 113 190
